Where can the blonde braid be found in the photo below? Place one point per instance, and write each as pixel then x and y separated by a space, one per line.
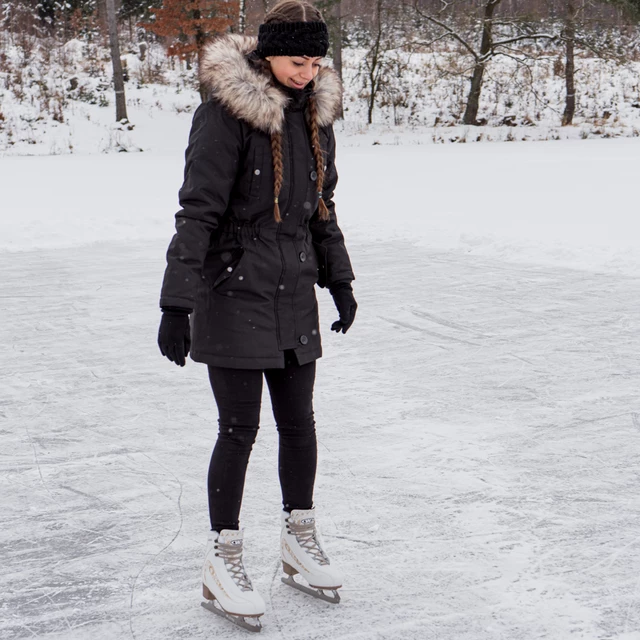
pixel 278 173
pixel 317 152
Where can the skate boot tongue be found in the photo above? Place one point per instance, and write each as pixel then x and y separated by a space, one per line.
pixel 306 518
pixel 229 536
pixel 229 548
pixel 302 525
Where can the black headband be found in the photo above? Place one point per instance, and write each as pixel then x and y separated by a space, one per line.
pixel 293 39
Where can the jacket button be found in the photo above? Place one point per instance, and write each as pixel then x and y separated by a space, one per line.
pixel 313 175
pixel 257 172
pixel 304 340
pixel 303 256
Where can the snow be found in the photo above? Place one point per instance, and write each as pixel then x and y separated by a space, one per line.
pixel 432 88
pixel 562 202
pixel 478 426
pixel 58 100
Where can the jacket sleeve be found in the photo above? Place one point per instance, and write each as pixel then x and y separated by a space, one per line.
pixel 211 166
pixel 334 264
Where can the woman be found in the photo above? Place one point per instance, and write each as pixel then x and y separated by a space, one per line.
pixel 256 232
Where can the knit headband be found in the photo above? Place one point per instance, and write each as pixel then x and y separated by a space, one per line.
pixel 293 39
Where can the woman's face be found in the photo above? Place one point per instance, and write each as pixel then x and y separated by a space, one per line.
pixel 294 71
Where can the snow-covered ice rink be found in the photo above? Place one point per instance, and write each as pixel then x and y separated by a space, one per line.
pixel 479 426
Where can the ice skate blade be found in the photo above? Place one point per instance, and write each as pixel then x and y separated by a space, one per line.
pixel 239 621
pixel 316 593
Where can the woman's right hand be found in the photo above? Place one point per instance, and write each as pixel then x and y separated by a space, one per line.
pixel 174 336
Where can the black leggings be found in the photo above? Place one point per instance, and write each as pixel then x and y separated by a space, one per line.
pixel 238 393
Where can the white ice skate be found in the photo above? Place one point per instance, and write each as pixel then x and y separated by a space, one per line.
pixel 302 553
pixel 225 581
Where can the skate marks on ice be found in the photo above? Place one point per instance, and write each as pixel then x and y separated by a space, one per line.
pixel 443 322
pixel 475 482
pixel 440 336
pixel 497 478
pixel 89 505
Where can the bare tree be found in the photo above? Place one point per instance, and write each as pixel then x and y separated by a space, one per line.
pixel 486 45
pixel 588 25
pixel 242 16
pixel 118 77
pixel 378 33
pixel 373 60
pixel 337 38
pixel 569 37
pixel 332 11
pixel 489 46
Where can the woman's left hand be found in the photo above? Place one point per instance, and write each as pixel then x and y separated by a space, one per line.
pixel 346 304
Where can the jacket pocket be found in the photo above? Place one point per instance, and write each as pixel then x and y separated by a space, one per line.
pixel 223 266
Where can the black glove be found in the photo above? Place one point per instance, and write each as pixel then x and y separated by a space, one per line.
pixel 345 304
pixel 174 336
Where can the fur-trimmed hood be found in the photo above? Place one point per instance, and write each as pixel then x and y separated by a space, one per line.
pixel 250 94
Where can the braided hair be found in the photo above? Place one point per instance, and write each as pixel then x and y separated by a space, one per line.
pixel 317 153
pixel 278 172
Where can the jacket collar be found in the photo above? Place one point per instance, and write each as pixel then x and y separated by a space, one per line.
pixel 253 96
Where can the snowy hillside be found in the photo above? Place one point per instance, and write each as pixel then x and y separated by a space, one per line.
pixel 58 99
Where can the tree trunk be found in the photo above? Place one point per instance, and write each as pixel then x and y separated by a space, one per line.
pixel 473 101
pixel 200 42
pixel 372 100
pixel 242 16
pixel 337 48
pixel 569 74
pixel 101 15
pixel 118 77
pixel 375 61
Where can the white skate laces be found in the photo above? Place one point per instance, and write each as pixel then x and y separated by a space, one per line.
pixel 231 554
pixel 306 535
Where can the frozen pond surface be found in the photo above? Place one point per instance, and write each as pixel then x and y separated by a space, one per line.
pixel 479 435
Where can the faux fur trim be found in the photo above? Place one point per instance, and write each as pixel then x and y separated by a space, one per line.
pixel 251 95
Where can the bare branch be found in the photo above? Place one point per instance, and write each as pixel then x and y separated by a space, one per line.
pixel 449 30
pixel 533 36
pixel 432 42
pixel 534 93
pixel 600 53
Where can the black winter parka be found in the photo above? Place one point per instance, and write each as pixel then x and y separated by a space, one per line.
pixel 248 280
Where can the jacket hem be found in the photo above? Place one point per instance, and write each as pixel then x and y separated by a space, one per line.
pixel 238 362
pixel 253 362
pixel 305 357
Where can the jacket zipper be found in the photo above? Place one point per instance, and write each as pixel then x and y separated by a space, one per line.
pixel 293 242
